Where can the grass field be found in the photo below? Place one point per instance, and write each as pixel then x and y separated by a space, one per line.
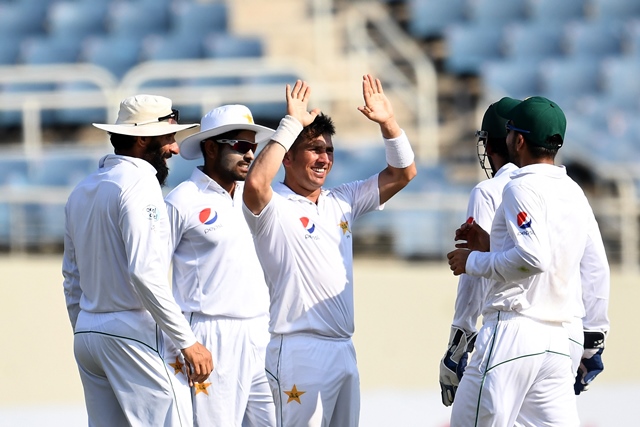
pixel 403 315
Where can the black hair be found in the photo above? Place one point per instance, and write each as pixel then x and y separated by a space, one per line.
pixel 498 147
pixel 122 142
pixel 539 152
pixel 320 126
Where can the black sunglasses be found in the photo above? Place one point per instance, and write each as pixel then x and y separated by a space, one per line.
pixel 239 145
pixel 175 115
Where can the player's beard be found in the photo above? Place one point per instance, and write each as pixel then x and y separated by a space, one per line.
pixel 156 157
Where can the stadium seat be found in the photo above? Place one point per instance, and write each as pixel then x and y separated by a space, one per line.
pixel 9 48
pixel 273 110
pixel 620 82
pixel 553 12
pixel 13 171
pixel 199 18
pixel 49 50
pixel 13 118
pixel 514 78
pixel 532 41
pixel 61 170
pixel 77 18
pixel 468 46
pixel 631 38
pixel 22 18
pixel 592 38
pixel 116 53
pixel 495 12
pixel 429 18
pixel 77 116
pixel 566 80
pixel 615 9
pixel 180 170
pixel 169 46
pixel 217 45
pixel 137 18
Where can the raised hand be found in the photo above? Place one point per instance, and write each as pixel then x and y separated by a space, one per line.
pixel 297 103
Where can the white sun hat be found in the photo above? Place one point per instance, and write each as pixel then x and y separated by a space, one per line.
pixel 145 115
pixel 218 121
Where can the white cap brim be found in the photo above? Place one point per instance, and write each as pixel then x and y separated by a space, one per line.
pixel 152 129
pixel 190 146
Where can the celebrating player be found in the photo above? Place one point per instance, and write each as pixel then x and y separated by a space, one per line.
pixel 116 270
pixel 217 279
pixel 521 367
pixel 302 234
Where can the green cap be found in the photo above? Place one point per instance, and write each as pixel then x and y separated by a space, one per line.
pixel 493 124
pixel 539 116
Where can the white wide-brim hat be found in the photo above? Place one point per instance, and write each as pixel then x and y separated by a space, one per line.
pixel 144 115
pixel 218 121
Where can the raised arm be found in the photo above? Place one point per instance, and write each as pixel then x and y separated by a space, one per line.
pixel 257 188
pixel 401 168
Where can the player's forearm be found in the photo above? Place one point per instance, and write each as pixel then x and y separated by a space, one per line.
pixel 257 187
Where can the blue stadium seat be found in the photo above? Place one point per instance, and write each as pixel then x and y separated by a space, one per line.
pixel 116 53
pixel 14 117
pixel 620 82
pixel 61 170
pixel 496 11
pixel 615 9
pixel 77 18
pixel 468 46
pixel 515 78
pixel 217 45
pixel 9 48
pixel 21 18
pixel 269 111
pixel 592 38
pixel 566 80
pixel 14 171
pixel 49 50
pixel 631 38
pixel 158 47
pixel 429 18
pixel 554 12
pixel 199 18
pixel 180 170
pixel 137 18
pixel 532 41
pixel 78 116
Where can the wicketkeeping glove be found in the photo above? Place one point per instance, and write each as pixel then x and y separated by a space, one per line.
pixel 591 364
pixel 454 362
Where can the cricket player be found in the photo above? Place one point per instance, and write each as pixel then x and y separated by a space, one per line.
pixel 217 279
pixel 521 368
pixel 483 203
pixel 302 234
pixel 115 270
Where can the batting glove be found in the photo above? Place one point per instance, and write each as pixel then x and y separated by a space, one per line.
pixel 591 364
pixel 454 362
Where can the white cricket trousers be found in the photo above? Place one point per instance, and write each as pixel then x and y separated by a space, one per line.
pixel 314 381
pixel 520 371
pixel 126 382
pixel 237 393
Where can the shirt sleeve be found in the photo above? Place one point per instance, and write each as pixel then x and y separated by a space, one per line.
pixel 71 283
pixel 481 208
pixel 595 275
pixel 144 226
pixel 523 210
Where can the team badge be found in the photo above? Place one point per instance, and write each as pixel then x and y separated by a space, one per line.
pixel 294 394
pixel 177 366
pixel 524 221
pixel 344 226
pixel 152 212
pixel 208 216
pixel 308 225
pixel 202 388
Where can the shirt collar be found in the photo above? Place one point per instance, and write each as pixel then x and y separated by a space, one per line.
pixel 506 168
pixel 204 182
pixel 111 160
pixel 551 171
pixel 284 191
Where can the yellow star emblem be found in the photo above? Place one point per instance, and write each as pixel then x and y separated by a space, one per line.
pixel 177 367
pixel 202 388
pixel 249 118
pixel 294 394
pixel 344 225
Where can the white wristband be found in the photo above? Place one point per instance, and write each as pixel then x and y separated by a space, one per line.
pixel 287 131
pixel 398 151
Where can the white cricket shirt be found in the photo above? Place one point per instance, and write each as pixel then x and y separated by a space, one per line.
pixel 306 252
pixel 116 246
pixel 483 203
pixel 215 267
pixel 538 238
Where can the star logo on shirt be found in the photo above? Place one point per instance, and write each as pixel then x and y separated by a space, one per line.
pixel 177 366
pixel 202 388
pixel 344 225
pixel 294 394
